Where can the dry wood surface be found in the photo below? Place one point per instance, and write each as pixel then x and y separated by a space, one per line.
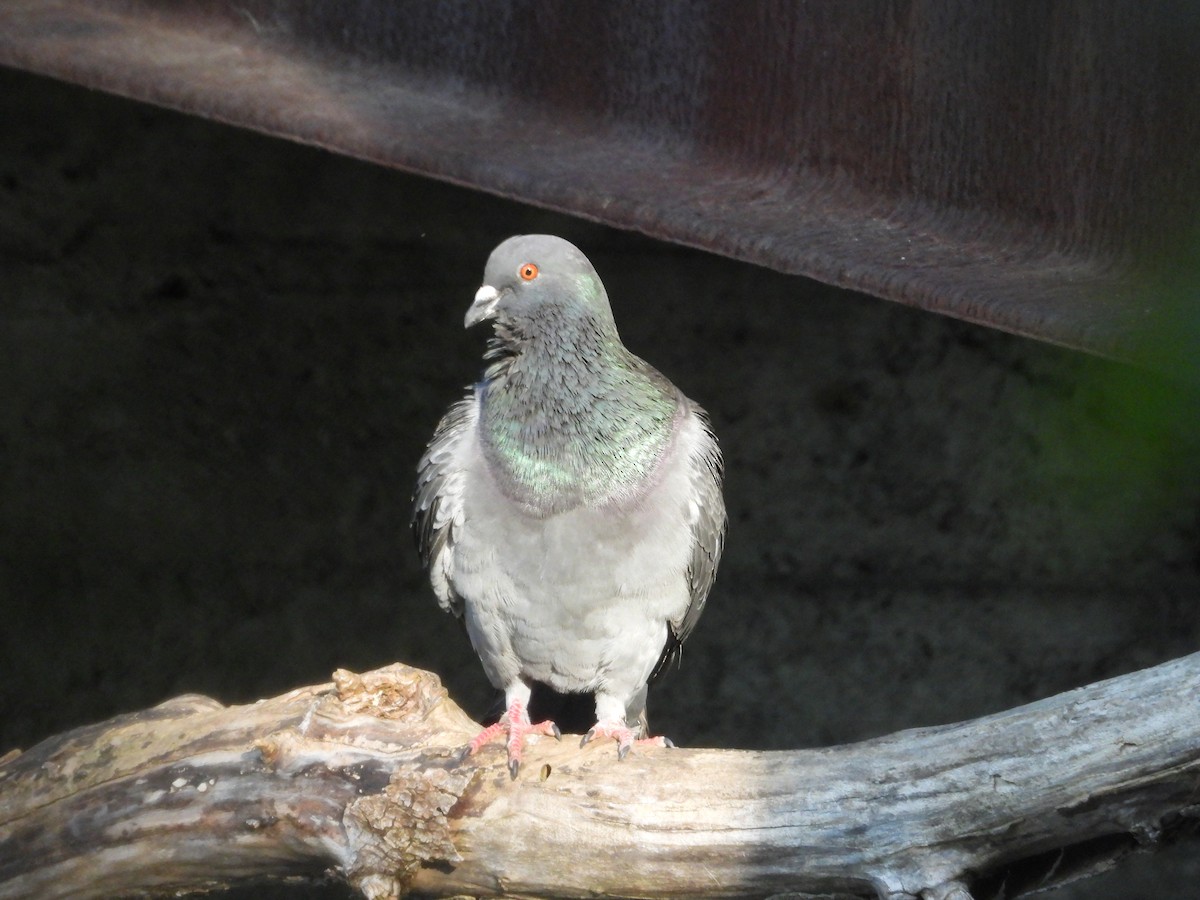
pixel 361 779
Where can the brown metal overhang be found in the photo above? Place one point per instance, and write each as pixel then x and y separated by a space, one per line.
pixel 1027 166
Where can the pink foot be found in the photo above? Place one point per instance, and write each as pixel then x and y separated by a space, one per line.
pixel 515 725
pixel 623 735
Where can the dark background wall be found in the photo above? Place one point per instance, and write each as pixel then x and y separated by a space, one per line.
pixel 221 356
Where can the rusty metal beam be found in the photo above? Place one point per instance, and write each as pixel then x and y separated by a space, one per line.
pixel 1012 164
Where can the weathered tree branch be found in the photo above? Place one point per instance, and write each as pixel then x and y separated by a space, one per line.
pixel 361 778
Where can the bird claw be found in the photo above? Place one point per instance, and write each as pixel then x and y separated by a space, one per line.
pixel 514 725
pixel 484 737
pixel 623 735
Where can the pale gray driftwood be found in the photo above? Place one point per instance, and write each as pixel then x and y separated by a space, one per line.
pixel 360 779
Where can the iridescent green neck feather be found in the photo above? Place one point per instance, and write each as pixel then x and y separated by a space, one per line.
pixel 569 416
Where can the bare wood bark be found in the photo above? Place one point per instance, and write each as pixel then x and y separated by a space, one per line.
pixel 361 778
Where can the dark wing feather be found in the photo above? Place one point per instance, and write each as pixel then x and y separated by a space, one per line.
pixel 707 522
pixel 437 500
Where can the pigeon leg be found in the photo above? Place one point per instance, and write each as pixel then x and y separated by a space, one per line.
pixel 613 714
pixel 515 725
pixel 624 736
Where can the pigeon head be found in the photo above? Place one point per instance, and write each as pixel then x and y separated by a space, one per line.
pixel 538 284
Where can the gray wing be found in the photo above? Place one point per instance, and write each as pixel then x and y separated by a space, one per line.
pixel 707 522
pixel 437 501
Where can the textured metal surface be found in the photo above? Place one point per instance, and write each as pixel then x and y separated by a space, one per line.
pixel 1005 163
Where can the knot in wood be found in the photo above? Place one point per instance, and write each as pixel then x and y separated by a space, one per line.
pixel 393 692
pixel 393 833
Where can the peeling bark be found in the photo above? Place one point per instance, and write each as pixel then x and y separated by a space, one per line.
pixel 361 778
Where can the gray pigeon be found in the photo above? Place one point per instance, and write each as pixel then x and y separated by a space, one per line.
pixel 569 508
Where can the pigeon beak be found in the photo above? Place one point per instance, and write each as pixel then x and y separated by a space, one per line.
pixel 484 306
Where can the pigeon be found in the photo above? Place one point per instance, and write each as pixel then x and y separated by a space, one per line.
pixel 569 507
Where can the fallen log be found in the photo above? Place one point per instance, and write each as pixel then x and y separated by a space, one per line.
pixel 361 779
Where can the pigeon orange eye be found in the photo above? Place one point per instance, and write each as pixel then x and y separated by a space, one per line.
pixel 528 272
